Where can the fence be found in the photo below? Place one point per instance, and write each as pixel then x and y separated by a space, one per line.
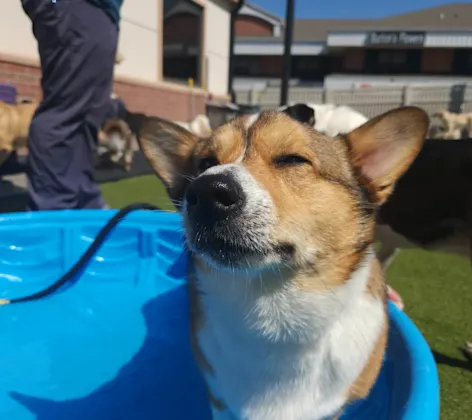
pixel 370 101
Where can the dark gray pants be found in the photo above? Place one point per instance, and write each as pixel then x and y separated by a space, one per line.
pixel 77 45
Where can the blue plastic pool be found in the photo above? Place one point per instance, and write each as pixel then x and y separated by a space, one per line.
pixel 114 345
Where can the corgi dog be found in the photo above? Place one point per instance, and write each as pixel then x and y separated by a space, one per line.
pixel 116 144
pixel 454 124
pixel 288 301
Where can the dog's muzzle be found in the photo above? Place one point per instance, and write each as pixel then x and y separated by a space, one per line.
pixel 216 219
pixel 214 198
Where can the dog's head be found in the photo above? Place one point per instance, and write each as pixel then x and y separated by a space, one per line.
pixel 115 144
pixel 275 193
pixel 442 115
pixel 302 113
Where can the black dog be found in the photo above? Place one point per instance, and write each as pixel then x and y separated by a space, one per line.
pixel 431 206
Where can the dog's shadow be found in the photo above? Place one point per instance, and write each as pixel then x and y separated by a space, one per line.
pixel 160 382
pixel 442 359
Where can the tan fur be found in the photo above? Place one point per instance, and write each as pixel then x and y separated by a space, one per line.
pixel 364 383
pixel 455 123
pixel 227 144
pixel 376 287
pixel 326 208
pixel 14 127
pixel 452 135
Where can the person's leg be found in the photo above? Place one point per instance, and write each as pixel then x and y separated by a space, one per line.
pixel 77 46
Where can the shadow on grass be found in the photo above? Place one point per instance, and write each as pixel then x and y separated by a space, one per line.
pixel 442 359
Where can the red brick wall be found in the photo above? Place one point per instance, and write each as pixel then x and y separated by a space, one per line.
pixel 252 26
pixel 26 78
pixel 160 100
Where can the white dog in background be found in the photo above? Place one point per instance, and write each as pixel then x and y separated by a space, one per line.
pixel 200 125
pixel 329 119
pixel 333 119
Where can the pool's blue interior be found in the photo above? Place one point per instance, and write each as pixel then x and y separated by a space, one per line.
pixel 114 345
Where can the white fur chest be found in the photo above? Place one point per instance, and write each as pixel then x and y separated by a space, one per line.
pixel 292 355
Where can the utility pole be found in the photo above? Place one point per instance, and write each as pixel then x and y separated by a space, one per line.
pixel 234 15
pixel 289 15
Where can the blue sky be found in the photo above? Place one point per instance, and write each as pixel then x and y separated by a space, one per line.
pixel 355 9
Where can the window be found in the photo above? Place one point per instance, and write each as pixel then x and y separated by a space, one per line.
pixel 462 64
pixel 392 58
pixel 309 68
pixel 182 41
pixel 247 66
pixel 267 66
pixel 393 61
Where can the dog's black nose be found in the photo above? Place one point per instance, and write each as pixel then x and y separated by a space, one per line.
pixel 213 197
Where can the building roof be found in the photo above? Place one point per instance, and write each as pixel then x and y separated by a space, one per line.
pixel 262 11
pixel 449 17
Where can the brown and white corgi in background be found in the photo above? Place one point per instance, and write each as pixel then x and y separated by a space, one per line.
pixel 116 144
pixel 288 301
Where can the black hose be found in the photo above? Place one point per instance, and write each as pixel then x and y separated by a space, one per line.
pixel 85 258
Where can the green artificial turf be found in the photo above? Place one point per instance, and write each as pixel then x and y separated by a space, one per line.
pixel 436 288
pixel 437 291
pixel 146 189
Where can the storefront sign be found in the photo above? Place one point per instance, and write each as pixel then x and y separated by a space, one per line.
pixel 396 38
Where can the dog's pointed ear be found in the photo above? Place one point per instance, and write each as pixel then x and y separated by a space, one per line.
pixel 383 148
pixel 169 148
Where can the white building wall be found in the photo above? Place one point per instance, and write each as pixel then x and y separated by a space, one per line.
pixel 217 34
pixel 138 41
pixel 448 40
pixel 16 33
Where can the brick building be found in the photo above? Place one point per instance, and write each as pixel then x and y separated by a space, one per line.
pixel 431 44
pixel 163 42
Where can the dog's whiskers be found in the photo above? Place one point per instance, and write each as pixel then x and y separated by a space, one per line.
pixel 188 177
pixel 177 203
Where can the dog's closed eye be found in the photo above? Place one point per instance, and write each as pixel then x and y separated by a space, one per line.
pixel 206 163
pixel 290 160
